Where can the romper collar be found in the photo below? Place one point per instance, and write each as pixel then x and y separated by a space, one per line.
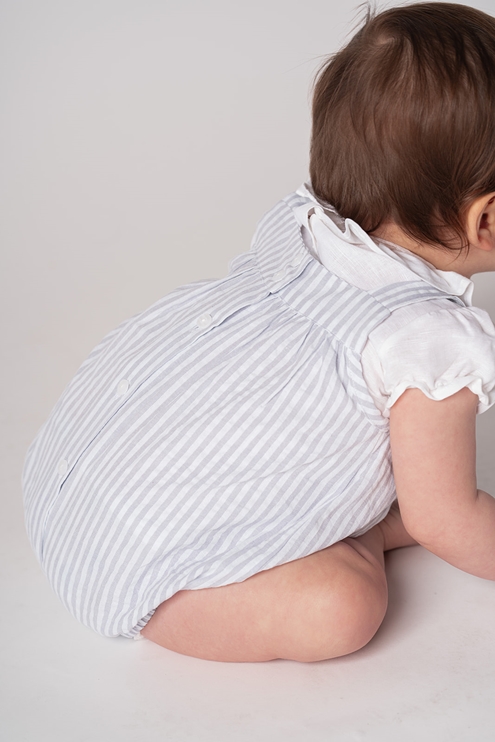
pixel 349 231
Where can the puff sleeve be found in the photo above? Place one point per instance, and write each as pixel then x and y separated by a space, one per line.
pixel 439 352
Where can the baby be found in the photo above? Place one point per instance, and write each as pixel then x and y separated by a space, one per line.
pixel 222 474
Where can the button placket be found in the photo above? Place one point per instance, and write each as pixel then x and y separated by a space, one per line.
pixel 204 321
pixel 122 387
pixel 295 264
pixel 63 467
pixel 286 273
pixel 279 275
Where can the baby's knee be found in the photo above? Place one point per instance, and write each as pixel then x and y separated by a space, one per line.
pixel 345 616
pixel 364 604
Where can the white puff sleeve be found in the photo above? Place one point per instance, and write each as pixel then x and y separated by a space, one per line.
pixel 439 352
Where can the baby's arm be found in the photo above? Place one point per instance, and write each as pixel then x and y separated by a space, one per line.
pixel 434 460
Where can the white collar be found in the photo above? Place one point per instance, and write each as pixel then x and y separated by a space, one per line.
pixel 349 231
pixel 448 281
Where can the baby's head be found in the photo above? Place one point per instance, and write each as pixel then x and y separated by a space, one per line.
pixel 404 121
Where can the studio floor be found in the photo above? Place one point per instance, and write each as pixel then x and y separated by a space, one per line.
pixel 428 674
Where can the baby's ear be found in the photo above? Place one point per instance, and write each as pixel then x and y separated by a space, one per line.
pixel 481 222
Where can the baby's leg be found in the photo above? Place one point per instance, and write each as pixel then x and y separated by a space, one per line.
pixel 324 605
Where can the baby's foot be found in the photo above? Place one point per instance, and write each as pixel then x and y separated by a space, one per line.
pixel 394 533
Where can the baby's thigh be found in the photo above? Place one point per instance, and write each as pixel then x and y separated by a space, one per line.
pixel 324 605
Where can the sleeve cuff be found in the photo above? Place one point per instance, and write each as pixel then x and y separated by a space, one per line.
pixel 444 389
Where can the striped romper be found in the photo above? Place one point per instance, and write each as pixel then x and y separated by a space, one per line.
pixel 224 431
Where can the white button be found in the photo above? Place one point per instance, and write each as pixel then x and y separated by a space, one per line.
pixel 279 275
pixel 63 466
pixel 204 320
pixel 319 212
pixel 122 387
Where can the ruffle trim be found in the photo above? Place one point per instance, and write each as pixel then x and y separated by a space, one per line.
pixel 444 388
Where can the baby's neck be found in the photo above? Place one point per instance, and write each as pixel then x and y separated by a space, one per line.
pixel 439 257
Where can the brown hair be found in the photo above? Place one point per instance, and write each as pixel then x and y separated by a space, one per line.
pixel 404 121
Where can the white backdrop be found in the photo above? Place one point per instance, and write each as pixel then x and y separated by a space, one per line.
pixel 140 142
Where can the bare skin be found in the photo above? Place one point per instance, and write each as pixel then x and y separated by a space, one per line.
pixel 324 605
pixel 480 230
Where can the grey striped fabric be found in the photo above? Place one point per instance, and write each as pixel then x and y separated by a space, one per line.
pixel 224 431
